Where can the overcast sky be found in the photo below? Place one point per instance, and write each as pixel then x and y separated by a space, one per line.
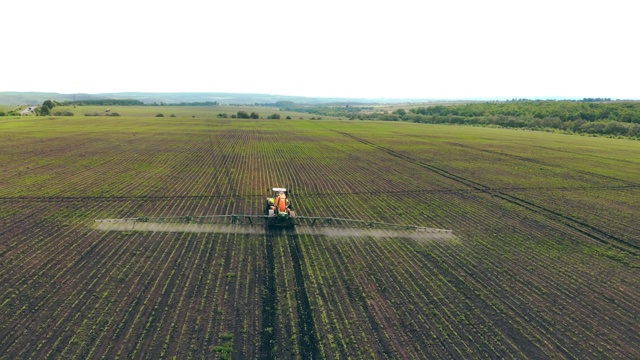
pixel 329 48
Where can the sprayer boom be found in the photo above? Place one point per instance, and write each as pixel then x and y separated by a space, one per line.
pixel 255 220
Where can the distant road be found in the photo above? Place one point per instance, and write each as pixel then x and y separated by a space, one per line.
pixel 28 110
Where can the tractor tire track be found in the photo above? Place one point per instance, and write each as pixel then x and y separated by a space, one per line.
pixel 473 190
pixel 141 198
pixel 308 341
pixel 543 163
pixel 269 300
pixel 582 227
pixel 146 199
pixel 583 154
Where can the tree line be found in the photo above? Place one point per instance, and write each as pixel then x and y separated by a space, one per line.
pixel 627 111
pixel 618 118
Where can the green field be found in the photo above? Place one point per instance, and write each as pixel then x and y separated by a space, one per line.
pixel 182 111
pixel 7 108
pixel 544 262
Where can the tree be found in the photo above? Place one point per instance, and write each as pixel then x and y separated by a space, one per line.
pixel 254 115
pixel 44 111
pixel 242 115
pixel 45 108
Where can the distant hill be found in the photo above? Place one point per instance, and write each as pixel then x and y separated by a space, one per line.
pixel 28 98
pixel 32 98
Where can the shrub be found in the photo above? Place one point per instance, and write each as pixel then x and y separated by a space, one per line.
pixel 273 116
pixel 160 115
pixel 63 113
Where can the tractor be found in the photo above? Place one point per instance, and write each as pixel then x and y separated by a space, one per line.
pixel 278 209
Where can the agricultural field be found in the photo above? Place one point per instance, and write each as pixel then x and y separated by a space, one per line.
pixel 544 261
pixel 6 108
pixel 181 111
